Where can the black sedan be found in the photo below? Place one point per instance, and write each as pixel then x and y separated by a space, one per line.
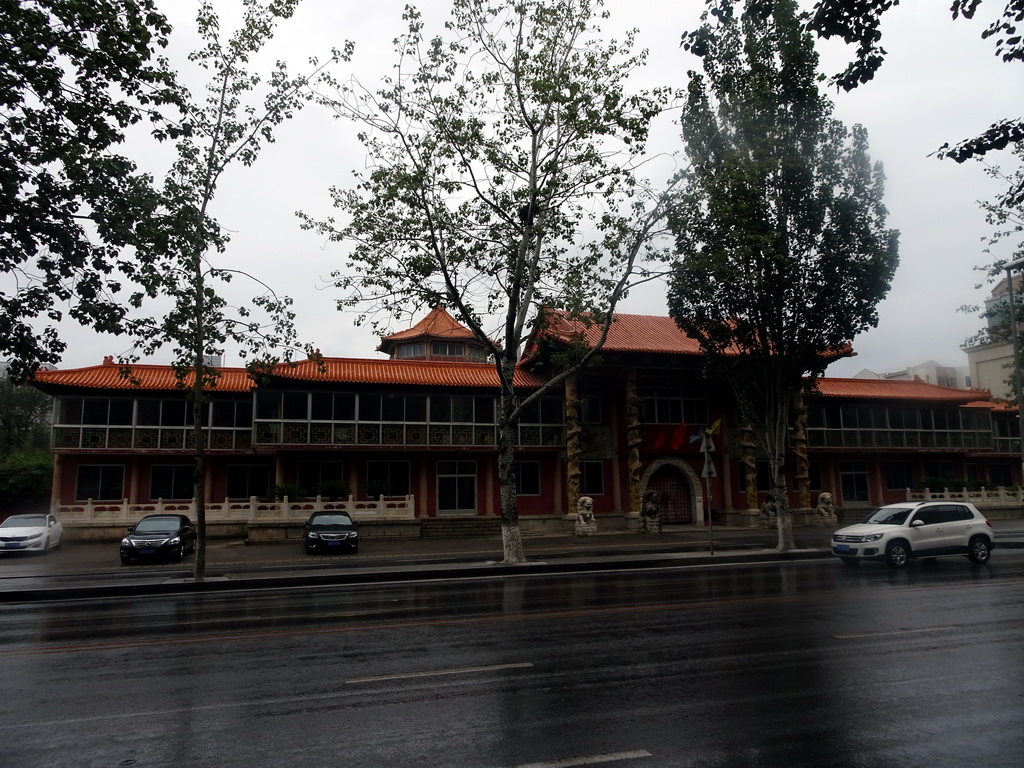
pixel 157 537
pixel 331 532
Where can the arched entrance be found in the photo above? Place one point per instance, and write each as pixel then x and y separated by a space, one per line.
pixel 678 490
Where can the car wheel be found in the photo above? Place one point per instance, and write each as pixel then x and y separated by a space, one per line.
pixel 897 554
pixel 181 554
pixel 46 546
pixel 850 560
pixel 979 550
pixel 60 541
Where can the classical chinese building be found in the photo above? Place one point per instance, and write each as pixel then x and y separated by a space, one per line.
pixel 411 438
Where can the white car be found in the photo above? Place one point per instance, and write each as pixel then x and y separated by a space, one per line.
pixel 896 533
pixel 30 533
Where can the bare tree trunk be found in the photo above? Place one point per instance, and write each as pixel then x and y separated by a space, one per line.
pixel 511 540
pixel 199 472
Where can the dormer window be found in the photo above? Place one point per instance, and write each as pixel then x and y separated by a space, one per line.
pixel 447 349
pixel 409 351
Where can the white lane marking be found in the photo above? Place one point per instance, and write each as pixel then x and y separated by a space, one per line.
pixel 437 672
pixel 895 632
pixel 590 759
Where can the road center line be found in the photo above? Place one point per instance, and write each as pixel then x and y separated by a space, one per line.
pixel 590 760
pixel 437 672
pixel 896 632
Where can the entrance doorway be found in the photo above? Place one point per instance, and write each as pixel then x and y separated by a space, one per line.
pixel 675 497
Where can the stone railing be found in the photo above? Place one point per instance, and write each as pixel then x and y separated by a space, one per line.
pixel 252 510
pixel 979 498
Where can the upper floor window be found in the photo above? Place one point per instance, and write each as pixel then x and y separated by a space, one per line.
pixel 447 349
pixel 667 405
pixel 417 349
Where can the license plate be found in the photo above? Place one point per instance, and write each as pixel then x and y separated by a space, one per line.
pixel 149 551
pixel 333 543
pixel 12 545
pixel 842 547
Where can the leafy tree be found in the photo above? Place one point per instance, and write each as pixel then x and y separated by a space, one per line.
pixel 502 182
pixel 783 253
pixel 26 477
pixel 859 23
pixel 25 414
pixel 74 75
pixel 231 125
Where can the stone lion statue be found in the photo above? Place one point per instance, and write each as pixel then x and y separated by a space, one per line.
pixel 586 524
pixel 651 516
pixel 825 512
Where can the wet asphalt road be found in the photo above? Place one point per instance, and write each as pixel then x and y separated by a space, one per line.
pixel 777 664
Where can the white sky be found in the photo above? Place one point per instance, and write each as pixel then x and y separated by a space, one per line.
pixel 940 83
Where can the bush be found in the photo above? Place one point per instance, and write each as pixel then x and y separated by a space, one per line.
pixel 334 490
pixel 290 490
pixel 26 477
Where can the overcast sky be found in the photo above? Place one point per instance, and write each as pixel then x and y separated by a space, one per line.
pixel 940 82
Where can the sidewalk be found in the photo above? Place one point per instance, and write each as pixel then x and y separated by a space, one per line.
pixel 83 569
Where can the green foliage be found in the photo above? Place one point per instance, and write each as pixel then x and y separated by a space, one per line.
pixel 75 75
pixel 235 119
pixel 26 477
pixel 25 415
pixel 377 488
pixel 783 254
pixel 334 489
pixel 859 23
pixel 289 490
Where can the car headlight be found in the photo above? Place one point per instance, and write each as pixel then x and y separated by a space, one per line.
pixel 126 542
pixel 37 536
pixel 353 535
pixel 312 535
pixel 874 537
pixel 174 540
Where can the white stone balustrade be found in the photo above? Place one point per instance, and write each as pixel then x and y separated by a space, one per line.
pixel 123 513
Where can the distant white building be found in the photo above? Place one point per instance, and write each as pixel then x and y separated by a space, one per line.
pixel 931 372
pixel 991 365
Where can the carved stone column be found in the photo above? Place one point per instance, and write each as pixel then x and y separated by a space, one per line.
pixel 572 442
pixel 748 455
pixel 802 474
pixel 633 440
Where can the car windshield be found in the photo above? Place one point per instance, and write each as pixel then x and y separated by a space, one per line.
pixel 890 516
pixel 24 521
pixel 157 524
pixel 331 520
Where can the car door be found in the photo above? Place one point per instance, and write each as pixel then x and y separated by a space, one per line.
pixel 957 527
pixel 925 529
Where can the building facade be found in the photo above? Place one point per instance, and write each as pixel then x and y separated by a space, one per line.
pixel 409 442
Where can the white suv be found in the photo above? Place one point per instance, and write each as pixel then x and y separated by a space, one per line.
pixel 897 532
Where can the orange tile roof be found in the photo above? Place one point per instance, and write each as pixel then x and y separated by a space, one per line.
pixel 403 373
pixel 888 389
pixel 437 324
pixel 150 377
pixel 628 333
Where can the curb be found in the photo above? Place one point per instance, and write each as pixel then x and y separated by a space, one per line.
pixel 375 575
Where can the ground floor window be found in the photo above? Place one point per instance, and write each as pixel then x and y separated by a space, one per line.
pixel 591 478
pixel 1000 474
pixel 456 486
pixel 310 475
pixel 527 478
pixel 387 478
pixel 172 482
pixel 939 469
pixel 100 482
pixel 898 475
pixel 853 478
pixel 245 480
